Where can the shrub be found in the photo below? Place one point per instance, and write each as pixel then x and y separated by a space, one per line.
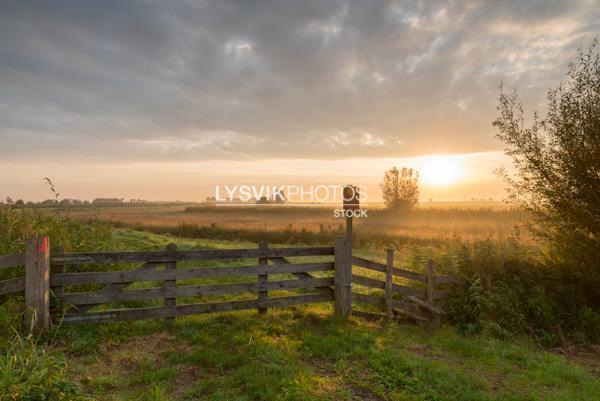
pixel 557 163
pixel 509 290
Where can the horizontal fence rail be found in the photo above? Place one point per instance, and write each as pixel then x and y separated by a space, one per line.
pixel 7 261
pixel 422 277
pixel 191 309
pixel 109 277
pixel 12 286
pixel 86 298
pixel 187 255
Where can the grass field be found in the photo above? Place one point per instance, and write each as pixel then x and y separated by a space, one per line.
pixel 429 223
pixel 303 353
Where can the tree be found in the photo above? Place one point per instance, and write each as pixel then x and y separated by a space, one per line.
pixel 400 188
pixel 557 164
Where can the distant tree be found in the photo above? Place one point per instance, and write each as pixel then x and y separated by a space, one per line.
pixel 19 202
pixel 400 188
pixel 557 163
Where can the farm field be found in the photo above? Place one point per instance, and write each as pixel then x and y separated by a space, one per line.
pixel 303 353
pixel 428 223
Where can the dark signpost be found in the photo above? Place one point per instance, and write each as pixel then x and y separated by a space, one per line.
pixel 351 203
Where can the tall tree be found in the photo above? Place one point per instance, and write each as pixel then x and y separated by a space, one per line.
pixel 400 188
pixel 557 163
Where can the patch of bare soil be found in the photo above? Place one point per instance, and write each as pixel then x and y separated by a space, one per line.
pixel 188 375
pixel 588 359
pixel 129 354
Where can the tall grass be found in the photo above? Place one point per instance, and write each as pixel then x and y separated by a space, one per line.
pixel 31 372
pixel 28 371
pixel 20 223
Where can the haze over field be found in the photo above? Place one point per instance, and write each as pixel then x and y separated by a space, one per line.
pixel 166 100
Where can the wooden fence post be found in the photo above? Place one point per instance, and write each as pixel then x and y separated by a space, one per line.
pixel 431 288
pixel 263 294
pixel 343 276
pixel 37 284
pixel 171 285
pixel 389 271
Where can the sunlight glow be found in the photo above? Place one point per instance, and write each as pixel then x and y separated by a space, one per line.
pixel 439 170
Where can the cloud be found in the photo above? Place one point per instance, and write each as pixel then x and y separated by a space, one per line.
pixel 147 81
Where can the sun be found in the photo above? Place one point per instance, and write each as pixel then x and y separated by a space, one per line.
pixel 439 170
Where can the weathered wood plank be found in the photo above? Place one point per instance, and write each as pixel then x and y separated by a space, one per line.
pixel 164 256
pixel 284 261
pixel 389 290
pixel 183 274
pixel 307 283
pixel 380 267
pixel 96 298
pixel 369 315
pixel 368 282
pixel 170 285
pixel 37 283
pixel 190 309
pixel 410 275
pixel 367 299
pixel 7 261
pixel 262 293
pixel 430 281
pixel 12 286
pixel 368 264
pixel 424 304
pixel 408 309
pixel 400 289
pixel 343 276
pixel 410 314
pixel 111 290
pixel 279 302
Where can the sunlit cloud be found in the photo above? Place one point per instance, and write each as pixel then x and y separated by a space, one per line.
pixel 277 84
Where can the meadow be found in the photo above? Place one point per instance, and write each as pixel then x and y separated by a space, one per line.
pixel 499 342
pixel 302 353
pixel 429 223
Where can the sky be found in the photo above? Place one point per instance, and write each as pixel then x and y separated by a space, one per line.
pixel 165 100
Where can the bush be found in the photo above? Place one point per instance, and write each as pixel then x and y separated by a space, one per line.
pixel 509 290
pixel 557 164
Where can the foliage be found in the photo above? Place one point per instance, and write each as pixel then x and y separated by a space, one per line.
pixel 557 162
pixel 400 188
pixel 30 372
pixel 20 223
pixel 509 291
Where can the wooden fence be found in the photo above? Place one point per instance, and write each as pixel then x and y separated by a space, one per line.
pixel 414 303
pixel 50 285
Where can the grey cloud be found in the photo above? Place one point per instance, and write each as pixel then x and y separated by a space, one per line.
pixel 145 80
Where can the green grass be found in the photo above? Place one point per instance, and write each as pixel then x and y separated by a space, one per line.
pixel 304 353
